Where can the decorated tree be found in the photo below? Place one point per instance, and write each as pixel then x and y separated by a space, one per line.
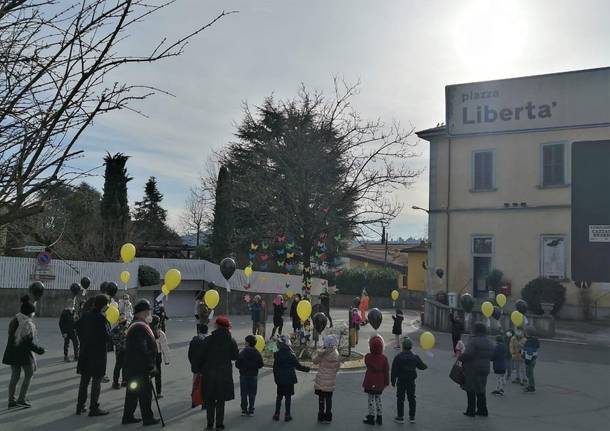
pixel 311 173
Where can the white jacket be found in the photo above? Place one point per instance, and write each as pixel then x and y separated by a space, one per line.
pixel 163 347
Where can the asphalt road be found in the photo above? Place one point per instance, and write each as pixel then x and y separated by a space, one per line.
pixel 573 382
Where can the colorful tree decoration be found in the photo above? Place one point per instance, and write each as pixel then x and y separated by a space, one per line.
pixel 253 246
pixel 264 257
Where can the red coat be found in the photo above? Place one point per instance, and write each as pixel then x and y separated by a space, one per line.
pixel 377 376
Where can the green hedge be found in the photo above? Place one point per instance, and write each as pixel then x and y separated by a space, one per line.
pixel 543 290
pixel 379 282
pixel 148 276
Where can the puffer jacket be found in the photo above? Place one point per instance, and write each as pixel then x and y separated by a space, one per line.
pixel 377 376
pixel 476 359
pixel 249 362
pixel 284 365
pixel 328 364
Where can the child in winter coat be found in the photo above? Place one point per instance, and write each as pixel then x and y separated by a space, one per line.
pixel 118 335
pixel 397 327
pixel 248 363
pixel 530 354
pixel 355 323
pixel 162 351
pixel 328 363
pixel 500 362
pixel 68 332
pixel 256 313
pixel 196 353
pixel 516 345
pixel 376 379
pixel 284 365
pixel 404 372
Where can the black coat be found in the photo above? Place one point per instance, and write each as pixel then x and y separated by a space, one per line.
pixel 21 354
pixel 94 335
pixel 284 365
pixel 397 327
pixel 66 322
pixel 140 351
pixel 296 320
pixel 405 366
pixel 249 362
pixel 476 361
pixel 219 349
pixel 195 353
pixel 278 314
pixel 457 326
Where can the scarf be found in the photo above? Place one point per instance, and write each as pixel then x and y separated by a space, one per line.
pixel 25 328
pixel 145 325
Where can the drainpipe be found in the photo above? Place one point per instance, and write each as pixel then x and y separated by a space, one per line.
pixel 448 215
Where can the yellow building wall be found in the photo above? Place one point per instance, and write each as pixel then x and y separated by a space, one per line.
pixel 416 279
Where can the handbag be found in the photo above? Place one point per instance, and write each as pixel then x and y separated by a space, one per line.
pixel 196 393
pixel 457 373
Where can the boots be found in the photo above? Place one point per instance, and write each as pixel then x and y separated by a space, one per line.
pixel 379 420
pixel 370 420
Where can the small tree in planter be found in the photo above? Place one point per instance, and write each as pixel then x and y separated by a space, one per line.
pixel 542 290
pixel 495 280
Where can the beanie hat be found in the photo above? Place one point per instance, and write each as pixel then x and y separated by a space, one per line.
pixel 223 322
pixel 330 341
pixel 141 305
pixel 407 343
pixel 27 307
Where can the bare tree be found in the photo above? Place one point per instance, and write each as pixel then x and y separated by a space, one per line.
pixel 198 207
pixel 54 64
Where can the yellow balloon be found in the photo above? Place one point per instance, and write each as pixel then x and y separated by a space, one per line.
pixel 125 277
pixel 427 340
pixel 501 299
pixel 172 279
pixel 487 308
pixel 112 315
pixel 304 310
pixel 128 252
pixel 289 293
pixel 114 304
pixel 211 298
pixel 394 295
pixel 517 318
pixel 260 343
pixel 165 290
pixel 248 271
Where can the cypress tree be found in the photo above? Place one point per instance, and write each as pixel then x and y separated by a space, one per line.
pixel 222 227
pixel 114 205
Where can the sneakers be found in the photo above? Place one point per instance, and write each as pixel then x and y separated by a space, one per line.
pixel 369 420
pixel 244 413
pixel 379 420
pixel 23 403
pixel 412 420
pixel 250 412
pixel 105 379
pixel 12 404
pixel 80 410
pixel 276 417
pixel 496 392
pixel 159 396
pixel 150 421
pixel 501 392
pixel 131 420
pixel 287 418
pixel 399 420
pixel 529 389
pixel 517 381
pixel 98 412
pixel 66 359
pixel 116 386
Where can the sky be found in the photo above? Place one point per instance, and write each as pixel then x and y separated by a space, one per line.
pixel 403 53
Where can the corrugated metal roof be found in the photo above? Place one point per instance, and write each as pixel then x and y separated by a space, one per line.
pixel 19 272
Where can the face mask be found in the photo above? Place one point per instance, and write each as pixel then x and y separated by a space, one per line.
pixel 148 319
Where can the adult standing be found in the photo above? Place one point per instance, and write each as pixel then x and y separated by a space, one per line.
pixel 278 315
pixel 19 352
pixel 94 334
pixel 457 327
pixel 479 352
pixel 325 305
pixel 66 326
pixel 218 350
pixel 296 320
pixel 139 365
pixel 364 306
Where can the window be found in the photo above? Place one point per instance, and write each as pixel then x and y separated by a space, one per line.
pixel 553 257
pixel 483 171
pixel 553 165
pixel 482 255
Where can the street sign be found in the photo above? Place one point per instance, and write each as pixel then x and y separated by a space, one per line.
pixel 34 248
pixel 590 236
pixel 44 258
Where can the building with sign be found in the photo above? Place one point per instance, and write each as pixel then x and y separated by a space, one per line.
pixel 519 182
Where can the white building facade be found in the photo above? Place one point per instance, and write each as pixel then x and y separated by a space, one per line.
pixel 501 181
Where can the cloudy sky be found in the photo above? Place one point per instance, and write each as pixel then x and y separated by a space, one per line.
pixel 403 52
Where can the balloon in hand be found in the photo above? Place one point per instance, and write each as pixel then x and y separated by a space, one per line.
pixel 487 309
pixel 427 340
pixel 125 276
pixel 260 343
pixel 319 322
pixel 128 252
pixel 304 310
pixel 211 298
pixel 394 295
pixel 112 315
pixel 375 317
pixel 227 267
pixel 172 278
pixel 501 299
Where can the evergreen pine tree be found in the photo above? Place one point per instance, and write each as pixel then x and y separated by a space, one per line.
pixel 222 227
pixel 114 205
pixel 149 217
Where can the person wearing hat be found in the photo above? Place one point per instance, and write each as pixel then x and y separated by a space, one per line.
pixel 403 375
pixel 66 326
pixel 218 351
pixel 19 353
pixel 328 362
pixel 94 334
pixel 139 365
